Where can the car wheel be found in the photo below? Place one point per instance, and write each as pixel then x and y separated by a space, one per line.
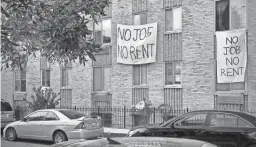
pixel 59 136
pixel 11 134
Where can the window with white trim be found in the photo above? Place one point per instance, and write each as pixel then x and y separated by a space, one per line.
pixel 20 81
pixel 173 19
pixel 229 14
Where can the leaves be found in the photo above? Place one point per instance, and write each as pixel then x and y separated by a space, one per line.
pixel 43 98
pixel 56 28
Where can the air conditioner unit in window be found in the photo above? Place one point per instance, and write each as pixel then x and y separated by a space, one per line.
pixel 19 96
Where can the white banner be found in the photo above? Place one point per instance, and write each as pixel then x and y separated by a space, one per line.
pixel 136 44
pixel 231 56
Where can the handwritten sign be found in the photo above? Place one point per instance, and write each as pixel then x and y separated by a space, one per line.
pixel 136 44
pixel 231 56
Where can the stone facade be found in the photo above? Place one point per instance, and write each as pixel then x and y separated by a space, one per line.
pixel 197 72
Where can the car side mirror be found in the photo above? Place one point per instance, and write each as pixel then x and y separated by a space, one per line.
pixel 23 119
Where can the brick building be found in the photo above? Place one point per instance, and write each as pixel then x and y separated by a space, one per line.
pixel 184 74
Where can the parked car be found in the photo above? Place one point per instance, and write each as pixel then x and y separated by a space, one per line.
pixel 136 142
pixel 7 113
pixel 54 125
pixel 224 128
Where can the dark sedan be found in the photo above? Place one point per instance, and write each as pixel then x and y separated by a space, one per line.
pixel 224 128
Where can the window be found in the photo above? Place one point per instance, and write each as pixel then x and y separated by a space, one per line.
pixel 139 6
pixel 46 77
pixel 230 14
pixel 140 74
pixel 65 76
pixel 45 72
pixel 37 116
pixel 172 73
pixel 228 120
pixel 71 114
pixel 173 19
pixel 20 81
pixel 51 116
pixel 194 120
pixel 102 31
pixel 140 19
pixel 101 78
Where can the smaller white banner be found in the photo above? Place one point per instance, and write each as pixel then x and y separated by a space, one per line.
pixel 231 56
pixel 136 44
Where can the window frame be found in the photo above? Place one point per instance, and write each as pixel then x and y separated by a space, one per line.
pixel 35 113
pixel 44 82
pixel 54 115
pixel 102 77
pixel 68 70
pixel 20 80
pixel 230 25
pixel 173 73
pixel 140 77
pixel 192 115
pixel 173 31
pixel 101 30
pixel 230 114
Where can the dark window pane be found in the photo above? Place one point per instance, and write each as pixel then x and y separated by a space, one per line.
pixel 51 116
pixel 238 86
pixel 143 18
pixel 71 114
pixel 98 37
pixel 168 74
pixel 168 20
pixel 144 74
pixel 43 78
pixel 222 15
pixel 136 74
pixel 97 79
pixel 23 85
pixel 64 77
pixel 48 78
pixel 37 116
pixel 222 86
pixel 194 120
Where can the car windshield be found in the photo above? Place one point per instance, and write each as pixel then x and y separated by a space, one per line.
pixel 5 106
pixel 71 114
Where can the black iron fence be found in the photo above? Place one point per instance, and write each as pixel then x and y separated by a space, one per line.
pixel 123 117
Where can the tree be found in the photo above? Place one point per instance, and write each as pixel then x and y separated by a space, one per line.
pixel 56 28
pixel 43 98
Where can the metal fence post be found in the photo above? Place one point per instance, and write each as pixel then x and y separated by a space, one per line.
pixel 124 116
pixel 98 110
pixel 154 114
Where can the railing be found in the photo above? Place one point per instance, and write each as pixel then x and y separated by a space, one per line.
pixel 123 117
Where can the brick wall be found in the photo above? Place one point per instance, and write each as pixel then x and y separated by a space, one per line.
pixel 251 20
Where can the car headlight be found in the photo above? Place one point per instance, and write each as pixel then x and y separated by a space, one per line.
pixel 208 145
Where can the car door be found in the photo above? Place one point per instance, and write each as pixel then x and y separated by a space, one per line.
pixel 31 126
pixel 192 126
pixel 226 129
pixel 50 124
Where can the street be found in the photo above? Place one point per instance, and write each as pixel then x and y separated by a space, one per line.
pixel 24 143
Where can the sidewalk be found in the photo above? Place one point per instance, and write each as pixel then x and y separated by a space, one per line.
pixel 114 132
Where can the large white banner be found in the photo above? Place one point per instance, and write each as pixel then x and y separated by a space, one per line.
pixel 231 56
pixel 136 44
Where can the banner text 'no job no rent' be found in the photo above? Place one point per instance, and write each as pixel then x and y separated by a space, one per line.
pixel 231 56
pixel 136 44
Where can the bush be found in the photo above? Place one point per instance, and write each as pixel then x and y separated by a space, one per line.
pixel 43 98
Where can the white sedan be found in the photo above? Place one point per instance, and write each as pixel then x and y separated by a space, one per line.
pixel 54 125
